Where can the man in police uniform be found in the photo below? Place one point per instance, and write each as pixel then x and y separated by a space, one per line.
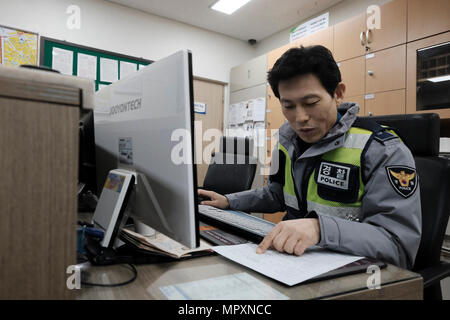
pixel 347 184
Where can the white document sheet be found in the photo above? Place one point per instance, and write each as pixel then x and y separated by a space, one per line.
pixel 87 66
pixel 288 269
pixel 109 70
pixel 241 112
pixel 259 109
pixel 62 60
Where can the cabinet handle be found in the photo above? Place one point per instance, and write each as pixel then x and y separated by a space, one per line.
pixel 368 36
pixel 362 37
pixel 370 73
pixel 369 114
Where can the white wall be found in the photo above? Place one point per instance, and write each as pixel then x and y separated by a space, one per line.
pixel 338 13
pixel 112 27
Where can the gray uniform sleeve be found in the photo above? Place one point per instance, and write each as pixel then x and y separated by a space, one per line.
pixel 390 228
pixel 267 199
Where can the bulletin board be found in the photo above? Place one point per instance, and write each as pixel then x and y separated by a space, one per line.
pixel 18 47
pixel 104 67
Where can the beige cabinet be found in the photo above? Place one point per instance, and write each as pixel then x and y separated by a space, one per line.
pixel 392 31
pixel 274 116
pixel 371 32
pixel 374 73
pixel 413 79
pixel 273 55
pixel 348 38
pixel 386 70
pixel 249 74
pixel 427 18
pixel 352 74
pixel 323 37
pixel 385 103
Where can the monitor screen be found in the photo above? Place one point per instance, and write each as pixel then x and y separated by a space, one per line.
pixel 144 123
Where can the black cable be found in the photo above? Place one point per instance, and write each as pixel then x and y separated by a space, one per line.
pixel 135 273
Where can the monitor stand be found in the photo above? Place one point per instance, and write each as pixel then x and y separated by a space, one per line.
pixel 140 226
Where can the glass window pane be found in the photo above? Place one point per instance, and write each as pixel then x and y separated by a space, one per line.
pixel 433 77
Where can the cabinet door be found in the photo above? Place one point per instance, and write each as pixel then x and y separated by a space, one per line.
pixel 273 55
pixel 353 75
pixel 346 39
pixel 384 103
pixel 414 48
pixel 323 37
pixel 392 30
pixel 426 18
pixel 386 70
pixel 249 74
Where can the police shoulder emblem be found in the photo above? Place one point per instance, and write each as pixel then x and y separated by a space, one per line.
pixel 403 179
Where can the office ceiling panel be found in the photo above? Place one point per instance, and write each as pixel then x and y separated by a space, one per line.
pixel 257 20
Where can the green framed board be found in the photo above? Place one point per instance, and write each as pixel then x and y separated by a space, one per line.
pixel 104 67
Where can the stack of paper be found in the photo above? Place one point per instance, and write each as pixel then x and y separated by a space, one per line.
pixel 162 244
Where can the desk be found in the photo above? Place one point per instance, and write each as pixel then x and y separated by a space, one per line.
pixel 396 283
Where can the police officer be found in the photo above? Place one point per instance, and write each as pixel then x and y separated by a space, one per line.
pixel 347 184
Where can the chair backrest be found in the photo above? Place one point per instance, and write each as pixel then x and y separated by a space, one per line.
pixel 421 133
pixel 233 168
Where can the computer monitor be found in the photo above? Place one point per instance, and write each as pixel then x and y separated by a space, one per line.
pixel 145 123
pixel 86 170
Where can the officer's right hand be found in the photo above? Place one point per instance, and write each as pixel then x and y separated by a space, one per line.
pixel 217 200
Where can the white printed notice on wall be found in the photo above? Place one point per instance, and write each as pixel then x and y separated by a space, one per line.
pixel 109 70
pixel 62 60
pixel 309 27
pixel 87 66
pixel 246 119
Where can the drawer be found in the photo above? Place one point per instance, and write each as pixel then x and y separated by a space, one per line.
pixel 385 103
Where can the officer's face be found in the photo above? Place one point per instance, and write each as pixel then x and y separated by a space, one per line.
pixel 308 107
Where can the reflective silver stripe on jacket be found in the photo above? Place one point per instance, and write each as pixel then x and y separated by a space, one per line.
pixel 356 140
pixel 290 200
pixel 348 213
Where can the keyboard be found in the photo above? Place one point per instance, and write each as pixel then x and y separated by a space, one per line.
pixel 238 222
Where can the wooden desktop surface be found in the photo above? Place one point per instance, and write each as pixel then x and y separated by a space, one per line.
pixel 396 283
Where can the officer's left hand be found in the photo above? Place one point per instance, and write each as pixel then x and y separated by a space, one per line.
pixel 292 236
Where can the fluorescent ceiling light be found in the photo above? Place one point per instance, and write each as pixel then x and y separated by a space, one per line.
pixel 439 79
pixel 228 6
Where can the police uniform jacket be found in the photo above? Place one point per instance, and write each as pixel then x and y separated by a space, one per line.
pixel 373 211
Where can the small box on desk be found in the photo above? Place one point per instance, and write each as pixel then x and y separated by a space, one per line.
pixel 38 193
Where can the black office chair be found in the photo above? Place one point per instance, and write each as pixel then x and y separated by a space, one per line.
pixel 233 168
pixel 421 133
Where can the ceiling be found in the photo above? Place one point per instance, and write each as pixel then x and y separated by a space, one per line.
pixel 257 20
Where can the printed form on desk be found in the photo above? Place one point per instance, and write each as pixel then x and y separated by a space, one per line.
pixel 288 269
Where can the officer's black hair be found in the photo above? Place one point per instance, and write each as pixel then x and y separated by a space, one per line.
pixel 316 60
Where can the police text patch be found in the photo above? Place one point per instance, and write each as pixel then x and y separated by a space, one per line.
pixel 334 175
pixel 403 179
